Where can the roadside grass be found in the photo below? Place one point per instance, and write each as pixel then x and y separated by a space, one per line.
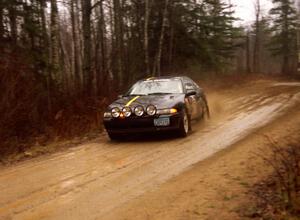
pixel 277 196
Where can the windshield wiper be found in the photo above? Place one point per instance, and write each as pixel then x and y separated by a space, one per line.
pixel 159 93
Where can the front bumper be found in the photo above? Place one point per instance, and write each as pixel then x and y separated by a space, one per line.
pixel 135 124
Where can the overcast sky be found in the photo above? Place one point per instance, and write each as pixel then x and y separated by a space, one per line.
pixel 245 9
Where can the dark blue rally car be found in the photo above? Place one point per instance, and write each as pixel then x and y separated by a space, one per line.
pixel 156 104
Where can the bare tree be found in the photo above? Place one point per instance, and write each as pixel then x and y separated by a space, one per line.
pixel 87 47
pixel 119 41
pixel 101 49
pixel 54 34
pixel 76 49
pixel 146 38
pixel 257 39
pixel 172 36
pixel 157 63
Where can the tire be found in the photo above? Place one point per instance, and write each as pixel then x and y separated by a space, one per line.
pixel 114 137
pixel 185 124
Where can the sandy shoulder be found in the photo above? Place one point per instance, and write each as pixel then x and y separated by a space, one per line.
pixel 215 188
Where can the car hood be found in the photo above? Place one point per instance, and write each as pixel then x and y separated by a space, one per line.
pixel 159 101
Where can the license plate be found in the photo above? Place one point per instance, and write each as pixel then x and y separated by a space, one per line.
pixel 160 122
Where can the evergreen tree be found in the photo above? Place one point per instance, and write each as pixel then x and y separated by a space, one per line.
pixel 283 42
pixel 205 31
pixel 216 33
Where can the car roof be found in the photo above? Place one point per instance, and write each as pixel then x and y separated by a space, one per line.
pixel 167 77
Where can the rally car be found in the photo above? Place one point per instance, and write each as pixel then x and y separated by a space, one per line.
pixel 156 104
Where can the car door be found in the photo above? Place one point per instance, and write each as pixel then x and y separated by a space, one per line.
pixel 193 99
pixel 200 102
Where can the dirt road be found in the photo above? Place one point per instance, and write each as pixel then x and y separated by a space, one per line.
pixel 94 180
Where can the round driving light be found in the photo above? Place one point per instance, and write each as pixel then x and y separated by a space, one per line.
pixel 139 110
pixel 115 112
pixel 126 111
pixel 151 110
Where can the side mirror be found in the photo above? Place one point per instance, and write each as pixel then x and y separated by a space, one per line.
pixel 190 93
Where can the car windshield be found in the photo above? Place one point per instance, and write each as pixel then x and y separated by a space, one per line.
pixel 156 87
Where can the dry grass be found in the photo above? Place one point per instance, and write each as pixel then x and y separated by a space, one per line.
pixel 278 195
pixel 24 115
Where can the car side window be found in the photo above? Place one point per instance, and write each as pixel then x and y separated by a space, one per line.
pixel 189 86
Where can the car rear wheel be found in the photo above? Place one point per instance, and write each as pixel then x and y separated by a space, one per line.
pixel 185 125
pixel 205 109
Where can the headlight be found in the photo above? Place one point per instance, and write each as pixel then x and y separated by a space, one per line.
pixel 115 112
pixel 107 115
pixel 151 110
pixel 166 111
pixel 126 111
pixel 139 110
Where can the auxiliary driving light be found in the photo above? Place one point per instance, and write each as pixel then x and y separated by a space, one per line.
pixel 139 110
pixel 126 111
pixel 115 112
pixel 151 110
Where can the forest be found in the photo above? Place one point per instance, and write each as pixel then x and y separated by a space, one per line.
pixel 61 61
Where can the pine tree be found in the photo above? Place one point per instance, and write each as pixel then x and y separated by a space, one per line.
pixel 283 42
pixel 217 33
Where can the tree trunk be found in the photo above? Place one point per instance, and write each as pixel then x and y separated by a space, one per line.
pixel 46 54
pixel 98 55
pixel 286 44
pixel 13 21
pixel 76 49
pixel 256 52
pixel 157 64
pixel 118 41
pixel 140 25
pixel 285 65
pixel 171 41
pixel 44 37
pixel 100 52
pixel 80 37
pixel 248 52
pixel 146 38
pixel 1 21
pixel 54 33
pixel 298 40
pixel 112 74
pixel 87 46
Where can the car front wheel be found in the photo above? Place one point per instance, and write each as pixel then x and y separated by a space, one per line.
pixel 205 108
